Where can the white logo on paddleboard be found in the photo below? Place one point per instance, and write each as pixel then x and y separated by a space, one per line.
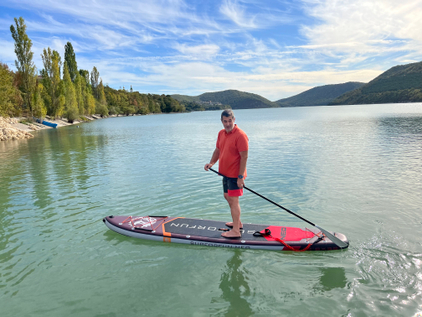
pixel 143 222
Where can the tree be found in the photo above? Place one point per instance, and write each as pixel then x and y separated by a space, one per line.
pixel 10 96
pixel 95 75
pixel 53 93
pixel 39 108
pixel 102 102
pixel 80 90
pixel 70 60
pixel 24 64
pixel 71 105
pixel 84 74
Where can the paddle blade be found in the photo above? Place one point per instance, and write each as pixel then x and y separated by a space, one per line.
pixel 337 241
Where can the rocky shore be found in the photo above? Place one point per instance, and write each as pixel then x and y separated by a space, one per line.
pixel 14 129
pixel 9 130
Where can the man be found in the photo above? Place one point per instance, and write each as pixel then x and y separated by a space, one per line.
pixel 232 152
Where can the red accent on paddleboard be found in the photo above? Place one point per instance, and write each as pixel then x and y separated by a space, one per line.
pixel 283 234
pixel 287 234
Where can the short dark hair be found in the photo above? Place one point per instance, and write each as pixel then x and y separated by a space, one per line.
pixel 227 113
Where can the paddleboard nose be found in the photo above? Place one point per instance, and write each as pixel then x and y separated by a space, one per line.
pixel 342 237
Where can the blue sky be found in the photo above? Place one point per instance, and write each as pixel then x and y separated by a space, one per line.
pixel 274 48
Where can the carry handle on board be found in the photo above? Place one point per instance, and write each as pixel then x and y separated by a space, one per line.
pixel 333 238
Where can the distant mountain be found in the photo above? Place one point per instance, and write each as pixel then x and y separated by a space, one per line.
pixel 319 96
pixel 398 84
pixel 233 98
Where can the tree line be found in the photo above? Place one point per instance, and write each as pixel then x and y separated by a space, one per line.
pixel 60 89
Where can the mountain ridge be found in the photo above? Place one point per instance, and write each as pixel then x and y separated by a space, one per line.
pixel 402 83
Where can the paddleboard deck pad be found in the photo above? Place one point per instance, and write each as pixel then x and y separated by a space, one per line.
pixel 208 233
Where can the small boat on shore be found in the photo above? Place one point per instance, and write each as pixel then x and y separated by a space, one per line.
pixel 49 124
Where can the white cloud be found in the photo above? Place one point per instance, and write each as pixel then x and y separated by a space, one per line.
pixel 369 28
pixel 236 12
pixel 204 51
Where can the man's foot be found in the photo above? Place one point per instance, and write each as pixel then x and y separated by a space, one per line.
pixel 231 235
pixel 230 224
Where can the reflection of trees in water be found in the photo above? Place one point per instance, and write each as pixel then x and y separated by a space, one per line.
pixel 234 285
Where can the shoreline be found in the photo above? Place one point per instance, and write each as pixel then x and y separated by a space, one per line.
pixel 18 128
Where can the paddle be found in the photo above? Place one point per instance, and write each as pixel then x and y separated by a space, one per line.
pixel 333 238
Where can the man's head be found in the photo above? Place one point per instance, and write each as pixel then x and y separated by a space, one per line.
pixel 227 118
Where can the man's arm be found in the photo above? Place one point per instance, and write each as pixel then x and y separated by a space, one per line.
pixel 213 160
pixel 242 168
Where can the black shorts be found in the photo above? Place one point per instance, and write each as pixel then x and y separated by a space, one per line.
pixel 230 187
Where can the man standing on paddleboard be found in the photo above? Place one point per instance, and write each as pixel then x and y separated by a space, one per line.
pixel 232 152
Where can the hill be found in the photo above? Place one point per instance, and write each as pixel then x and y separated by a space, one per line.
pixel 319 96
pixel 398 84
pixel 233 98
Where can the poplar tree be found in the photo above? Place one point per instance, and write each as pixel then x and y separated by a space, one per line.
pixel 89 100
pixel 71 105
pixel 70 60
pixel 80 90
pixel 39 108
pixel 95 75
pixel 24 64
pixel 102 102
pixel 53 90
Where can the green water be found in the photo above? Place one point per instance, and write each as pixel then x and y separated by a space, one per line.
pixel 356 170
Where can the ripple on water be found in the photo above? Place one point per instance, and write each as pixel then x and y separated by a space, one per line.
pixel 388 275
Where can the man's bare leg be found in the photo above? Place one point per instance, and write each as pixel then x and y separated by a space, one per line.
pixel 235 212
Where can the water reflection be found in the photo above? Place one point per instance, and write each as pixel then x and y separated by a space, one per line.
pixel 331 278
pixel 234 287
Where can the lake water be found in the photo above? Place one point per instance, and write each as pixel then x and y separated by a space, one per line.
pixel 355 170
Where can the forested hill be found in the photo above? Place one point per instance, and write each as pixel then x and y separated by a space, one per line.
pixel 319 96
pixel 233 98
pixel 398 84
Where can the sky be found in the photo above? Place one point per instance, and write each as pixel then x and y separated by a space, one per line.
pixel 274 48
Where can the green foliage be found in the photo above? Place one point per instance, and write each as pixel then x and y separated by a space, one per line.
pixel 39 109
pixel 79 84
pixel 85 75
pixel 398 84
pixel 127 103
pixel 71 104
pixel 10 96
pixel 53 92
pixel 101 109
pixel 225 99
pixel 237 99
pixel 89 104
pixel 317 96
pixel 95 75
pixel 70 60
pixel 24 64
pixel 101 94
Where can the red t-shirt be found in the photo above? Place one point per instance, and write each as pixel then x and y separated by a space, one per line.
pixel 230 145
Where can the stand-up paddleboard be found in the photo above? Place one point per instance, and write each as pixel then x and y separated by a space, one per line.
pixel 208 233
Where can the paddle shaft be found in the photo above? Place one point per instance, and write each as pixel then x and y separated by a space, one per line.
pixel 333 238
pixel 269 200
